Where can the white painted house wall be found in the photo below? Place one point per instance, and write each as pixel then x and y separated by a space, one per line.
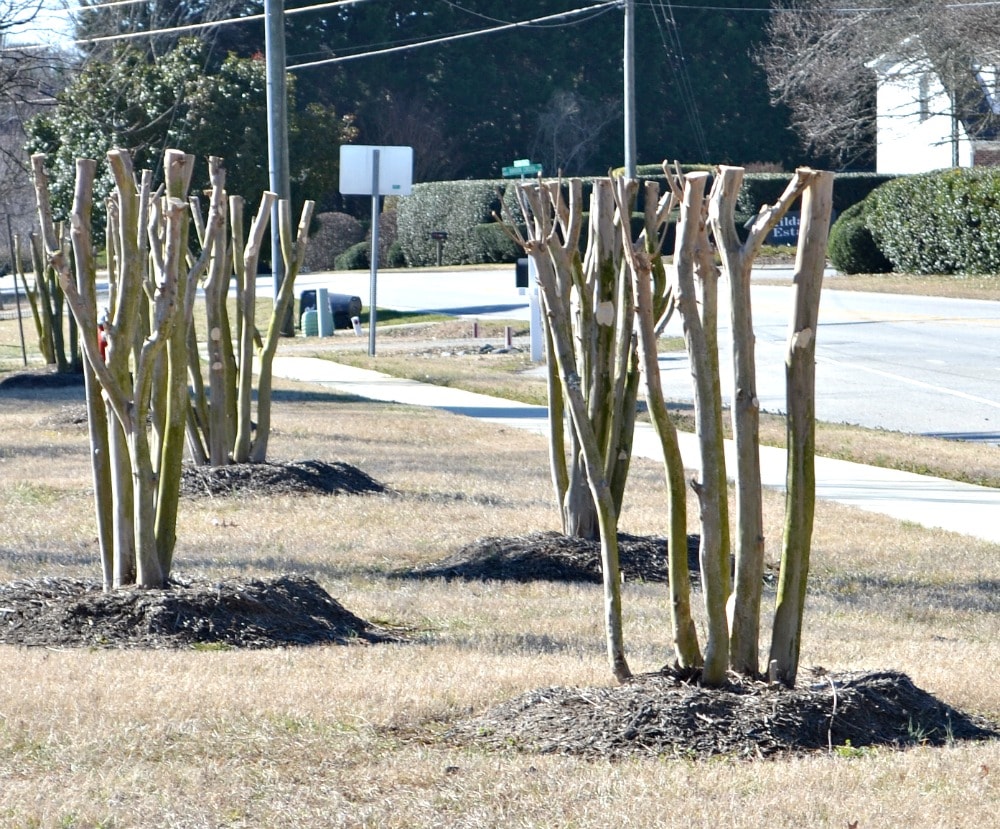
pixel 914 129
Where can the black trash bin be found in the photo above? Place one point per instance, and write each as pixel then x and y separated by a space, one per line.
pixel 521 273
pixel 342 307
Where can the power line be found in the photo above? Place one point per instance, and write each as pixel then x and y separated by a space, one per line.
pixel 669 31
pixel 189 27
pixel 600 7
pixel 594 10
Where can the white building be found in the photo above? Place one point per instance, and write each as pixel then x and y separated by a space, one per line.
pixel 917 130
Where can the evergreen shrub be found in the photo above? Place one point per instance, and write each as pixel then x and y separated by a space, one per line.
pixel 945 222
pixel 355 258
pixel 457 208
pixel 851 248
pixel 335 233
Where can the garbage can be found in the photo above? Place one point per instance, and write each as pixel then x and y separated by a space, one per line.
pixel 342 307
pixel 310 325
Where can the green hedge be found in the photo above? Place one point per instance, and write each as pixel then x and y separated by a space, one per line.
pixel 463 209
pixel 944 222
pixel 457 207
pixel 355 258
pixel 766 188
pixel 851 248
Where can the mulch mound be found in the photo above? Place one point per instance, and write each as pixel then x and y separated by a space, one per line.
pixel 552 556
pixel 661 715
pixel 289 610
pixel 42 378
pixel 291 478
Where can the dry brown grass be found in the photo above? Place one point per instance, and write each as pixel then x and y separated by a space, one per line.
pixel 343 736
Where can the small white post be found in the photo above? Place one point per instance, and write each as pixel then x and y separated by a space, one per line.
pixel 535 312
pixel 374 255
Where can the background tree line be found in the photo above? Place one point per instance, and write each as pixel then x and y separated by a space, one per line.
pixel 469 107
pixel 774 83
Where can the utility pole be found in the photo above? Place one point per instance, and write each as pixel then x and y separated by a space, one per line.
pixel 628 71
pixel 277 132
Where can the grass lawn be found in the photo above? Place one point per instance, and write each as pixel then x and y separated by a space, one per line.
pixel 347 736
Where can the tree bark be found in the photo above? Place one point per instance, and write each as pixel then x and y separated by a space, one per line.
pixel 800 369
pixel 97 416
pixel 692 259
pixel 293 250
pixel 737 264
pixel 652 297
pixel 553 231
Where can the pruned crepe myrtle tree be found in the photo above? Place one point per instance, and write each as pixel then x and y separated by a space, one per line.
pixel 646 290
pixel 140 352
pixel 55 327
pixel 592 368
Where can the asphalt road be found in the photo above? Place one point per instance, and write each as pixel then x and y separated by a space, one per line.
pixel 910 364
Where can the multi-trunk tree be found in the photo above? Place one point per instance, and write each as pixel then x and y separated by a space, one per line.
pixel 54 326
pixel 140 350
pixel 641 292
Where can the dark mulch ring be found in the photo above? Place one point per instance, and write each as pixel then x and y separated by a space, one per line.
pixel 309 477
pixel 553 556
pixel 661 715
pixel 41 378
pixel 289 610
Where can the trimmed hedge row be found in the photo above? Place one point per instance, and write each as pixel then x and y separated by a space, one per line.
pixel 464 210
pixel 944 222
pixel 458 208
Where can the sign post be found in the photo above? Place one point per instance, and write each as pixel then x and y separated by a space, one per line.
pixel 375 171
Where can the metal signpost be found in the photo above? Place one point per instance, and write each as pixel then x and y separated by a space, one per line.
pixel 375 171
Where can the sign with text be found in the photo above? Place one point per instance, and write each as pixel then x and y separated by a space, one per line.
pixel 357 165
pixel 786 232
pixel 521 170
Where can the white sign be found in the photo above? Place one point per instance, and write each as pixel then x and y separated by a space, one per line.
pixel 395 170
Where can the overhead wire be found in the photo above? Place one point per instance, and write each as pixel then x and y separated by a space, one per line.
pixel 670 37
pixel 654 4
pixel 189 27
pixel 593 10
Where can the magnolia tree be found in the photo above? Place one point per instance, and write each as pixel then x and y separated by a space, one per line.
pixel 642 292
pixel 140 351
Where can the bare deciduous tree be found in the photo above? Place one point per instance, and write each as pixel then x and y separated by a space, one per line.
pixel 819 55
pixel 141 351
pixel 638 290
pixel 569 130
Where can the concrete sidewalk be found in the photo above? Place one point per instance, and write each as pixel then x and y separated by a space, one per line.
pixel 931 502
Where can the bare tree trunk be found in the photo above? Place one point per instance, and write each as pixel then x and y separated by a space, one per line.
pixel 97 416
pixel 221 374
pixel 293 250
pixel 553 231
pixel 654 302
pixel 692 260
pixel 737 263
pixel 800 370
pixel 246 259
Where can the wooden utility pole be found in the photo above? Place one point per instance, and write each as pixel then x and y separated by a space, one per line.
pixel 277 132
pixel 628 71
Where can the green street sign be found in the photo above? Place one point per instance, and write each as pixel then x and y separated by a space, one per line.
pixel 522 170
